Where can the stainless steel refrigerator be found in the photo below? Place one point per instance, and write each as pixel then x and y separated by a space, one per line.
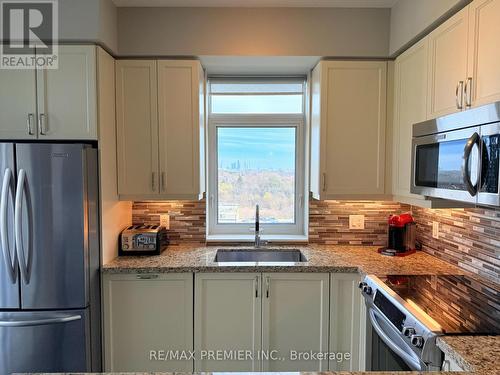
pixel 49 258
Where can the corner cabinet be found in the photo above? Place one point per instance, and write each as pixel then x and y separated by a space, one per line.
pixel 52 104
pixel 160 129
pixel 348 126
pixel 143 315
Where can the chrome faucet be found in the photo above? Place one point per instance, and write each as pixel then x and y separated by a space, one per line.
pixel 258 241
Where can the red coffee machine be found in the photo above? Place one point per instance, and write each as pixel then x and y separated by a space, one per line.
pixel 401 241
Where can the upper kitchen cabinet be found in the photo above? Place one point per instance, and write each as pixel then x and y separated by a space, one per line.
pixel 51 104
pixel 67 96
pixel 137 127
pixel 410 107
pixel 348 123
pixel 17 104
pixel 181 128
pixel 160 129
pixel 448 66
pixel 483 78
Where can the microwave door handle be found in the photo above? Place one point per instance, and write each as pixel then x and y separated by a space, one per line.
pixel 412 362
pixel 473 140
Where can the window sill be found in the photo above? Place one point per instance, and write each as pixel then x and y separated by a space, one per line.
pixel 251 238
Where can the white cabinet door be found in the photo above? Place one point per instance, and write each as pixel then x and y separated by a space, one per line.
pixel 295 320
pixel 17 104
pixel 348 125
pixel 410 107
pixel 144 314
pixel 347 326
pixel 484 52
pixel 227 317
pixel 448 65
pixel 181 127
pixel 137 128
pixel 67 97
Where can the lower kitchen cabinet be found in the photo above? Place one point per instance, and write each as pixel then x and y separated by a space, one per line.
pixel 295 320
pixel 347 322
pixel 227 318
pixel 145 314
pixel 267 314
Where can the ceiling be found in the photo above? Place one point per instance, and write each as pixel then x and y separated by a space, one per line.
pixel 259 3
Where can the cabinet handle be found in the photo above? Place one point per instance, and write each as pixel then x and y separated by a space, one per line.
pixel 256 286
pixel 146 277
pixel 163 184
pixel 41 124
pixel 29 123
pixel 324 181
pixel 468 92
pixel 153 185
pixel 268 281
pixel 459 90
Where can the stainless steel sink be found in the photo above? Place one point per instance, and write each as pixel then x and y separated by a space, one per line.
pixel 260 255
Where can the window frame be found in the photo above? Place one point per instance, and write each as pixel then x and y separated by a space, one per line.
pixel 243 231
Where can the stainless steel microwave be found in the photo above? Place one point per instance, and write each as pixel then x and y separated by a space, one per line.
pixel 456 157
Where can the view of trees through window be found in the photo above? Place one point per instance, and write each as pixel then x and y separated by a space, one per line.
pixel 256 165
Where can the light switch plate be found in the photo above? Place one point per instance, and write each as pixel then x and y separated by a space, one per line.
pixel 165 221
pixel 356 221
pixel 435 229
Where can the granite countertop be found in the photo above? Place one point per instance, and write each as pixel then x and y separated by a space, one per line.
pixel 477 354
pixel 321 258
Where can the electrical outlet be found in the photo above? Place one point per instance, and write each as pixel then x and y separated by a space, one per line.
pixel 165 221
pixel 435 229
pixel 356 221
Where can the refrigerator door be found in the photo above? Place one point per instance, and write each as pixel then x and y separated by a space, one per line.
pixel 54 341
pixel 51 224
pixel 9 277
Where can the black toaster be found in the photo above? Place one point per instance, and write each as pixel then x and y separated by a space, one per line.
pixel 143 240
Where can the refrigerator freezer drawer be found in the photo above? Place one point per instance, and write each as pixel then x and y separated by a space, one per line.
pixel 51 341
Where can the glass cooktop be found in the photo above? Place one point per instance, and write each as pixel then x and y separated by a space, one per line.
pixel 459 304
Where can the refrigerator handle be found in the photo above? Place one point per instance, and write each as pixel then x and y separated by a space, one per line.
pixel 10 260
pixel 39 322
pixel 24 262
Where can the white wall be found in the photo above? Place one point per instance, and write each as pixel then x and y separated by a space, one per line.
pixel 88 21
pixel 410 19
pixel 340 32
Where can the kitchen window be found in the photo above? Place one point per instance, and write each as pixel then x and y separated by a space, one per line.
pixel 256 156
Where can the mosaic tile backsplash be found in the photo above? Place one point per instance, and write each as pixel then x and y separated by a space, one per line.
pixel 469 238
pixel 187 218
pixel 329 221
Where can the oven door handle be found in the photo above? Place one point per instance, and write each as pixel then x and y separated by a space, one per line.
pixel 414 364
pixel 473 140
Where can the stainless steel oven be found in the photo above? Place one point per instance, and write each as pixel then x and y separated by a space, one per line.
pixel 457 156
